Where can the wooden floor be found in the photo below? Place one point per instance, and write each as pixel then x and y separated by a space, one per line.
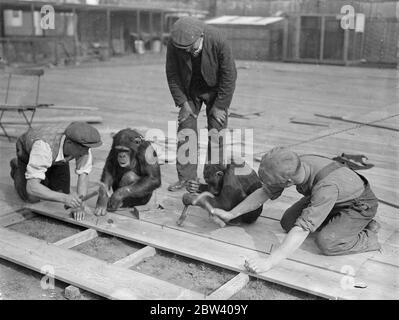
pixel 137 96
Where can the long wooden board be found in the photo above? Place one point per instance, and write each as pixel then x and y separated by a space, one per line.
pixel 86 272
pixel 296 275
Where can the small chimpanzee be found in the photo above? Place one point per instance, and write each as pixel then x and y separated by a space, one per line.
pixel 131 169
pixel 230 184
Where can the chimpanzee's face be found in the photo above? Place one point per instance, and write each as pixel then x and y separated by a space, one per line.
pixel 124 158
pixel 126 145
pixel 213 175
pixel 128 138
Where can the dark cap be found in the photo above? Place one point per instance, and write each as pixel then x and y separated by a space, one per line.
pixel 186 31
pixel 83 134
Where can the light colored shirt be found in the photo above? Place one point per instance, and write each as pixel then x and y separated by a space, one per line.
pixel 41 158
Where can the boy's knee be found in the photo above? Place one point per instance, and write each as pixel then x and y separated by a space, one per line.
pixel 327 243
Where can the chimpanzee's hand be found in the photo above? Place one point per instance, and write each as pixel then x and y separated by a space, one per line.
pixel 193 186
pixel 115 201
pixel 100 211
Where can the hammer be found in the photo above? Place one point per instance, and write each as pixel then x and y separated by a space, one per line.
pixel 201 201
pixel 84 198
pixel 188 199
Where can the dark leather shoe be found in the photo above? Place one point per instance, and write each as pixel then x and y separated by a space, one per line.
pixel 177 185
pixel 373 226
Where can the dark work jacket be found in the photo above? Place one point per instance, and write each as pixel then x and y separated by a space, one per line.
pixel 217 67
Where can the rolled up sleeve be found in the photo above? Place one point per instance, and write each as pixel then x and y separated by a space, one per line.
pixel 322 201
pixel 84 164
pixel 40 159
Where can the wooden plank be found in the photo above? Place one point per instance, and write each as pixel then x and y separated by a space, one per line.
pixel 296 275
pixel 311 122
pixel 394 239
pixel 258 236
pixel 89 119
pixel 126 262
pixel 136 257
pixel 357 122
pixel 86 272
pixel 230 288
pixel 389 254
pixel 6 208
pixel 77 239
pixel 15 217
pixel 65 107
pixel 380 278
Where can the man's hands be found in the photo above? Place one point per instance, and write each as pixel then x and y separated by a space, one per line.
pixel 222 214
pixel 219 115
pixel 79 213
pixel 258 265
pixel 72 200
pixel 193 186
pixel 185 112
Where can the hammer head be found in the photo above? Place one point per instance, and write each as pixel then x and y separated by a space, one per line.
pixel 201 199
pixel 188 198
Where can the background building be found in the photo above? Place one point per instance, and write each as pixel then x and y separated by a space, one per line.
pixel 312 32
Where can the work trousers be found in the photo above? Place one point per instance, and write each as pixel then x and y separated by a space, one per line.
pixel 187 164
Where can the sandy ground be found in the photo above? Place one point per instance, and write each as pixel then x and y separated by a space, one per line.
pixel 20 283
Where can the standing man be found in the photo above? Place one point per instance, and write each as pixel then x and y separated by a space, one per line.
pixel 200 69
pixel 337 202
pixel 41 169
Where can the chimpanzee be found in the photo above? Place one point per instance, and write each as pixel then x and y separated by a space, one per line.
pixel 131 169
pixel 230 184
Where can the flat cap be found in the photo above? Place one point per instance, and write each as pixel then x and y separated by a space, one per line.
pixel 83 134
pixel 186 31
pixel 278 164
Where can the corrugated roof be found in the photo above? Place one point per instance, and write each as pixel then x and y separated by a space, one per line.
pixel 244 20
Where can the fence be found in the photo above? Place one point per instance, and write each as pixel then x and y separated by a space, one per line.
pixel 381 40
pixel 37 49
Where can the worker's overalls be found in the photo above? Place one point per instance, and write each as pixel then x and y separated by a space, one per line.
pixel 344 230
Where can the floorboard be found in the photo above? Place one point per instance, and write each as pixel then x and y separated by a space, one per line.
pixel 86 272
